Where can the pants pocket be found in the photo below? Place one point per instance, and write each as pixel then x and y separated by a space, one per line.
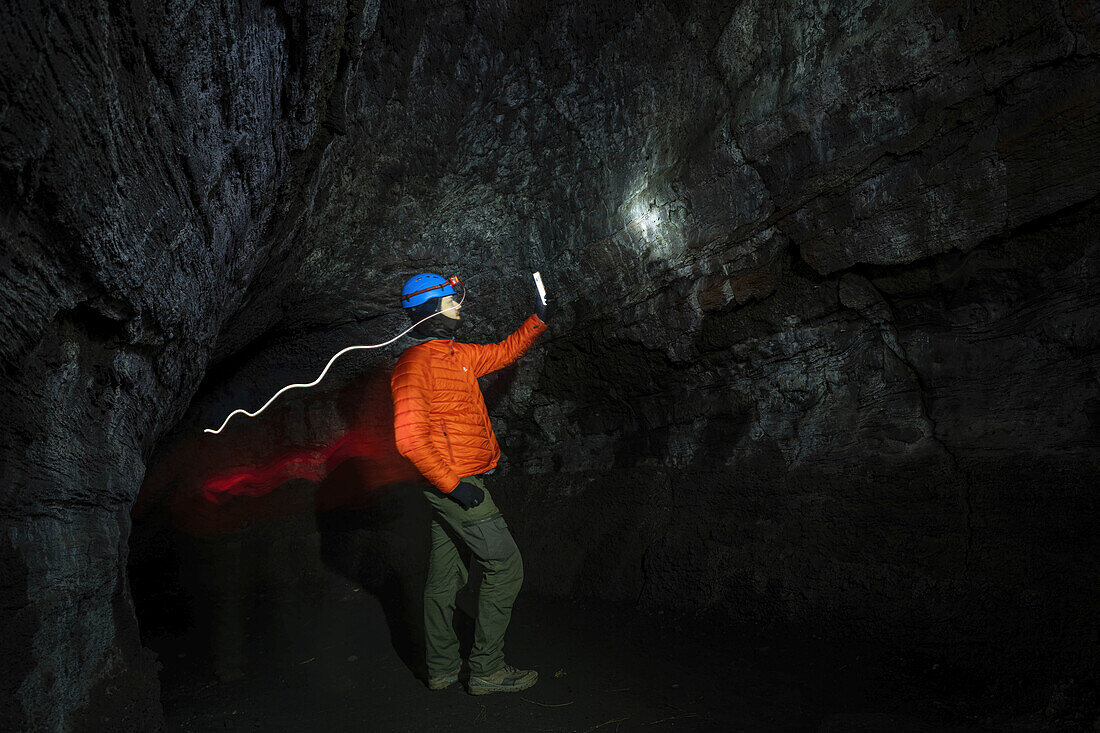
pixel 489 539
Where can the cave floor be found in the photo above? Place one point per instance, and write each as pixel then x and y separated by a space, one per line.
pixel 333 665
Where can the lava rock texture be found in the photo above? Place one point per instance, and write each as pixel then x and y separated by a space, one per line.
pixel 827 353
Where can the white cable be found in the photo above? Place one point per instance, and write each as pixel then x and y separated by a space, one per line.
pixel 324 371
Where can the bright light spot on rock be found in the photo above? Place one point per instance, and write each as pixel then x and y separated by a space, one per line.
pixel 646 218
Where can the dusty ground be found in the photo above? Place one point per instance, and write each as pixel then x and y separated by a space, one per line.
pixel 334 666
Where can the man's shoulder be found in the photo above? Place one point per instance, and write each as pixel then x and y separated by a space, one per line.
pixel 413 352
pixel 464 349
pixel 421 352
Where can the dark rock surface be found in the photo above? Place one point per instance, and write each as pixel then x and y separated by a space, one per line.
pixel 828 345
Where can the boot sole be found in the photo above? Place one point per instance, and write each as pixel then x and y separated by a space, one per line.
pixel 441 683
pixel 487 689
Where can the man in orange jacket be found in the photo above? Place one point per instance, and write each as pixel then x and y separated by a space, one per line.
pixel 442 426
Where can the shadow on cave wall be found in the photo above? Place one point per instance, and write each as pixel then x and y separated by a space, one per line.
pixel 235 571
pixel 378 538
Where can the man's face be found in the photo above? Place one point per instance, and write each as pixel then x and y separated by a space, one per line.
pixel 449 302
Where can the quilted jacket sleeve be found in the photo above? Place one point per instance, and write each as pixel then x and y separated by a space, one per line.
pixel 411 387
pixel 487 358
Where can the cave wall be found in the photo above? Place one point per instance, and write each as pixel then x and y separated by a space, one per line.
pixel 906 456
pixel 826 351
pixel 828 270
pixel 151 155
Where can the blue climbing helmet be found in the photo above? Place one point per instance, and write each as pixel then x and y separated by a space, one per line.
pixel 421 288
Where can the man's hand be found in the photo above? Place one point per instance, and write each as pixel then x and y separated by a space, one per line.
pixel 467 494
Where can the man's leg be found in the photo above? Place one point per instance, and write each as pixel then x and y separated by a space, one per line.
pixel 500 584
pixel 446 574
pixel 486 534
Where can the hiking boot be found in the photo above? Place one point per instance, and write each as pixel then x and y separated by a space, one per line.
pixel 506 679
pixel 443 681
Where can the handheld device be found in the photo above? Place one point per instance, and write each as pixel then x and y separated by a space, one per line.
pixel 538 284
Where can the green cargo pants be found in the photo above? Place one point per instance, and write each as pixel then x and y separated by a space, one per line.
pixel 483 531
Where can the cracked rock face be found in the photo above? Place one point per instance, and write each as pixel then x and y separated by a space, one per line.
pixel 826 351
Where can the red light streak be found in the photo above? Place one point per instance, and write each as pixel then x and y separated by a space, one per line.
pixel 384 465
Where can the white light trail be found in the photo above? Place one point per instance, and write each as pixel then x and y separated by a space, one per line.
pixel 324 371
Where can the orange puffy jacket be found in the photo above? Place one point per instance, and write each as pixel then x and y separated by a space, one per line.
pixel 439 416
